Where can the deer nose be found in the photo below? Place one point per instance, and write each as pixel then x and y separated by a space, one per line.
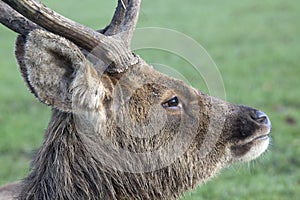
pixel 262 118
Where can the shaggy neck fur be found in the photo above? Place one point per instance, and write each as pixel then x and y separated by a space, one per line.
pixel 65 168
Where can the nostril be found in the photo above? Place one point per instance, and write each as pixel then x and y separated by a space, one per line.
pixel 262 118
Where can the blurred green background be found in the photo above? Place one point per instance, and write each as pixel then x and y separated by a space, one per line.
pixel 256 46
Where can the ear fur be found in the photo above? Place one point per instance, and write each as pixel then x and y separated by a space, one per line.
pixel 20 53
pixel 49 66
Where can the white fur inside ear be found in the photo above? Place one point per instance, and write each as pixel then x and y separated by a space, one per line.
pixel 87 90
pixel 88 94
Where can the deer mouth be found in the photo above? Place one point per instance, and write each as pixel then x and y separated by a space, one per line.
pixel 262 137
pixel 251 148
pixel 261 134
pixel 256 139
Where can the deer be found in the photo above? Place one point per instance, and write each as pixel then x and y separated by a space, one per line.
pixel 119 129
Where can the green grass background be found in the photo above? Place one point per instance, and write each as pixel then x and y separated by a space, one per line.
pixel 256 46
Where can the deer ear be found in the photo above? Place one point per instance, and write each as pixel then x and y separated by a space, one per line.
pixel 50 65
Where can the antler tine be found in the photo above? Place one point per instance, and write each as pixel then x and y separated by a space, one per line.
pixel 14 21
pixel 124 19
pixel 112 51
pixel 117 19
pixel 131 18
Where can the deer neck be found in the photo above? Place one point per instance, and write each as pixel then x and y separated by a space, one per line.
pixel 63 168
pixel 66 167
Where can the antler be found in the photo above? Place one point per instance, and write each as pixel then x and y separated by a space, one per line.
pixel 14 21
pixel 112 47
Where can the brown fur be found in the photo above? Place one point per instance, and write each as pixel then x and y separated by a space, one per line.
pixel 110 137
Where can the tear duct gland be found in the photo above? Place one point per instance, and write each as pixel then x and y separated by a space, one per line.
pixel 125 131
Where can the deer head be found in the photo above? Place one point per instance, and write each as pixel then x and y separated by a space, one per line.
pixel 119 128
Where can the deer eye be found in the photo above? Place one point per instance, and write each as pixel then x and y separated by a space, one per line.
pixel 171 103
